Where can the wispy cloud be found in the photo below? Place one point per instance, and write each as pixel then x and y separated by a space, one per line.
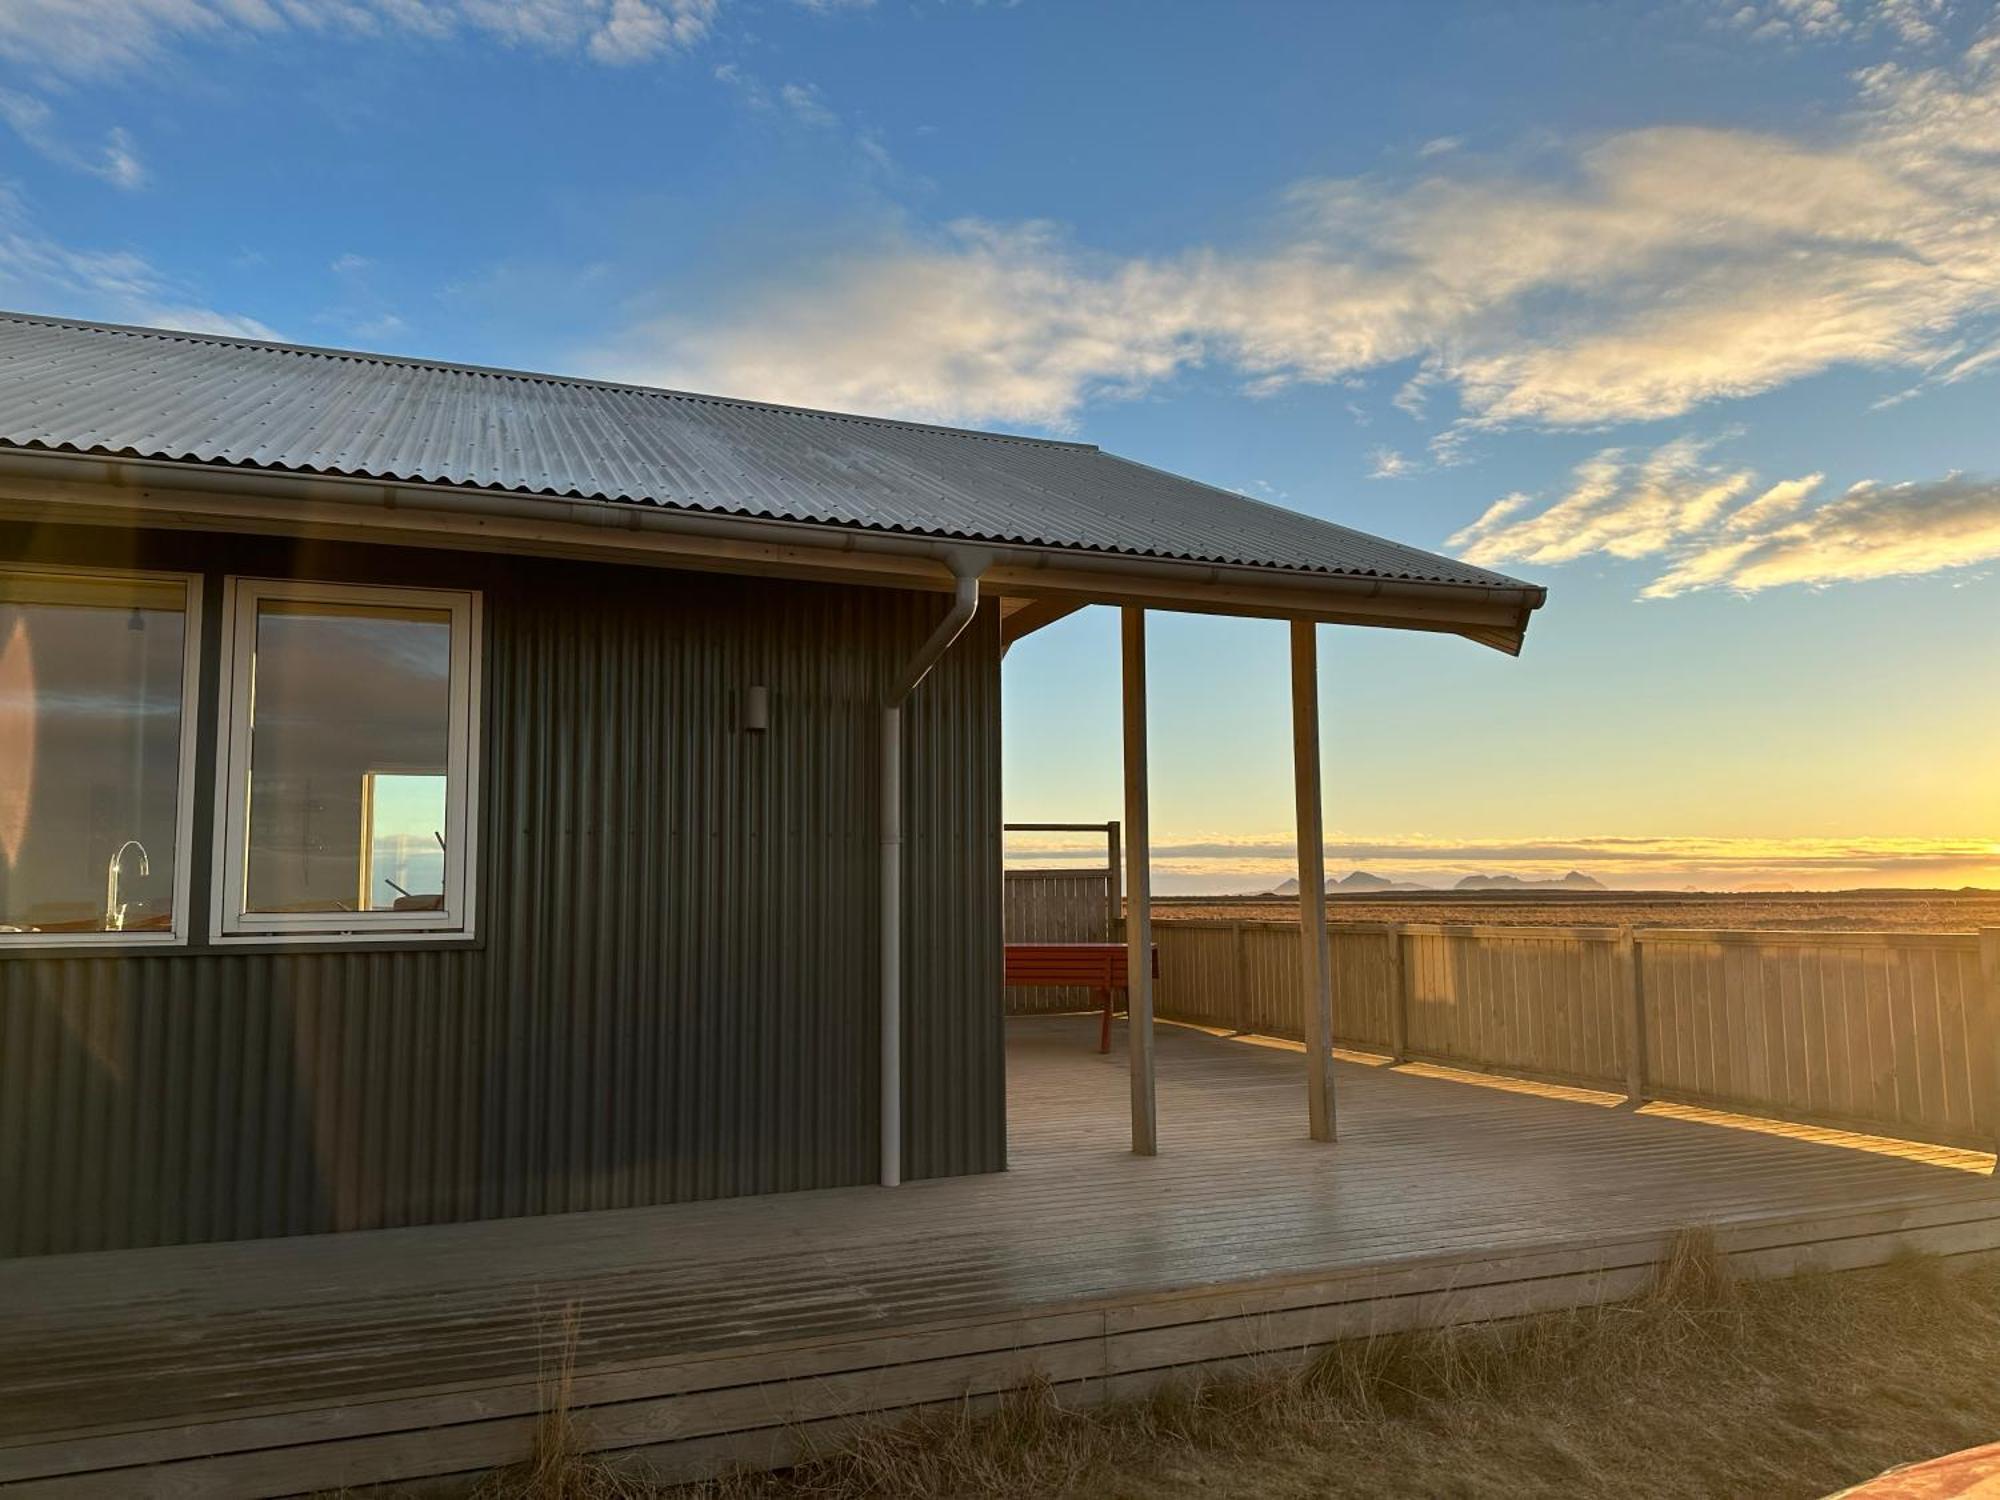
pixel 1913 23
pixel 1633 276
pixel 121 285
pixel 1872 531
pixel 100 36
pixel 116 161
pixel 805 106
pixel 1716 527
pixel 1618 503
pixel 1387 463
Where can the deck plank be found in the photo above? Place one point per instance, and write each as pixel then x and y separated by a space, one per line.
pixel 211 1361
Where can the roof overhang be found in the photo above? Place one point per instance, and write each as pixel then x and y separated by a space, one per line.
pixel 1036 584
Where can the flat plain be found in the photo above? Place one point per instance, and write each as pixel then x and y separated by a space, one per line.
pixel 1826 911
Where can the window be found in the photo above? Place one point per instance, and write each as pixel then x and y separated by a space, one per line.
pixel 97 675
pixel 346 761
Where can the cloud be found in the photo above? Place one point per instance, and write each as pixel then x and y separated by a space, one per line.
pixel 803 104
pixel 1633 276
pixel 1716 529
pixel 102 36
pixel 1000 323
pixel 1870 532
pixel 807 104
pixel 1633 861
pixel 1387 463
pixel 116 161
pixel 118 285
pixel 1618 504
pixel 1913 23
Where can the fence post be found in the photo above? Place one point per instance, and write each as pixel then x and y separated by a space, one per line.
pixel 1114 916
pixel 1399 996
pixel 1240 954
pixel 1989 975
pixel 1632 991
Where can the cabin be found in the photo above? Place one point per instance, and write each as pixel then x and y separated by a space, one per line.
pixel 501 907
pixel 433 793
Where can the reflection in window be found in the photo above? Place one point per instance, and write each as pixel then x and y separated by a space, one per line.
pixel 402 842
pixel 350 721
pixel 91 678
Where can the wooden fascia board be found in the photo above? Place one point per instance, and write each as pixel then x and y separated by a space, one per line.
pixel 1050 580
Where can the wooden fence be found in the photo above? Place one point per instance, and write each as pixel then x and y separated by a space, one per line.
pixel 1893 1033
pixel 1054 906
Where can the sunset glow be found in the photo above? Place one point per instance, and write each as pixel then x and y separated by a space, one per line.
pixel 1689 313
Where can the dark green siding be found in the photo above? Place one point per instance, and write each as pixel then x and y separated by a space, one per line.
pixel 673 991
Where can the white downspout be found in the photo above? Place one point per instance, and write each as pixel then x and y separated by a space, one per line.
pixel 964 604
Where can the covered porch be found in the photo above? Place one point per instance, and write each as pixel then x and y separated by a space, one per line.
pixel 709 1334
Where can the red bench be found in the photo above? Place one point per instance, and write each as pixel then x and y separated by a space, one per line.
pixel 1098 967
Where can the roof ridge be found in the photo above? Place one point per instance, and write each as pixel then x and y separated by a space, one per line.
pixel 542 377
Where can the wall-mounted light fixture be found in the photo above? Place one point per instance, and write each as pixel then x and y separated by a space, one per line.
pixel 757 707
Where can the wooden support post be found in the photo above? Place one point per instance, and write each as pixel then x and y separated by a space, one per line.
pixel 1116 913
pixel 1316 994
pixel 1399 996
pixel 1139 889
pixel 1240 1012
pixel 1989 974
pixel 1631 990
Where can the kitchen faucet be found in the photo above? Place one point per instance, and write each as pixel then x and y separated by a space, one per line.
pixel 114 909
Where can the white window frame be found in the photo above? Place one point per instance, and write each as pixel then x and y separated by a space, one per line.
pixel 177 935
pixel 455 921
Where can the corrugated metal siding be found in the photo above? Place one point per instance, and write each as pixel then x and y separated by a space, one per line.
pixel 675 995
pixel 94 388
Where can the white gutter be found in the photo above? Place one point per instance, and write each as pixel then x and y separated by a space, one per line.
pixel 964 605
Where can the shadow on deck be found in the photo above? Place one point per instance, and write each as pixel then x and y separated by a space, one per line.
pixel 727 1332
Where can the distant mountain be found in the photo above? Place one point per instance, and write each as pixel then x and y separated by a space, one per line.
pixel 1359 883
pixel 1367 883
pixel 1363 882
pixel 1576 880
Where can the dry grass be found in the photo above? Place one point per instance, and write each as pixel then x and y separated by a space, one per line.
pixel 1701 1388
pixel 1862 911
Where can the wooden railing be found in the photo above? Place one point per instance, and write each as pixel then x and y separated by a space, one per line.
pixel 1893 1033
pixel 1054 906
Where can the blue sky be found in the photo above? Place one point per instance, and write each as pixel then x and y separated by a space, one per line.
pixel 1625 300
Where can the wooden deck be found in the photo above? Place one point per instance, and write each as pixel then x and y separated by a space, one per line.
pixel 733 1331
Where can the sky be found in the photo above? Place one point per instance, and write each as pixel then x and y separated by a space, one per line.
pixel 1690 312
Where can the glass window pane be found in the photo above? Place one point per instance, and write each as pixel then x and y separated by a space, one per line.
pixel 349 734
pixel 90 743
pixel 404 845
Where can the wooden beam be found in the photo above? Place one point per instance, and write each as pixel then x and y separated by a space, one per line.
pixel 1019 617
pixel 1399 995
pixel 1139 888
pixel 1314 956
pixel 1625 965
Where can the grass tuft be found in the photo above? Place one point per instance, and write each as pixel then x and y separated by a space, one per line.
pixel 1701 1386
pixel 557 1467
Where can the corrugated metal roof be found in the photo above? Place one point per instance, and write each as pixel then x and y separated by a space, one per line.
pixel 149 393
